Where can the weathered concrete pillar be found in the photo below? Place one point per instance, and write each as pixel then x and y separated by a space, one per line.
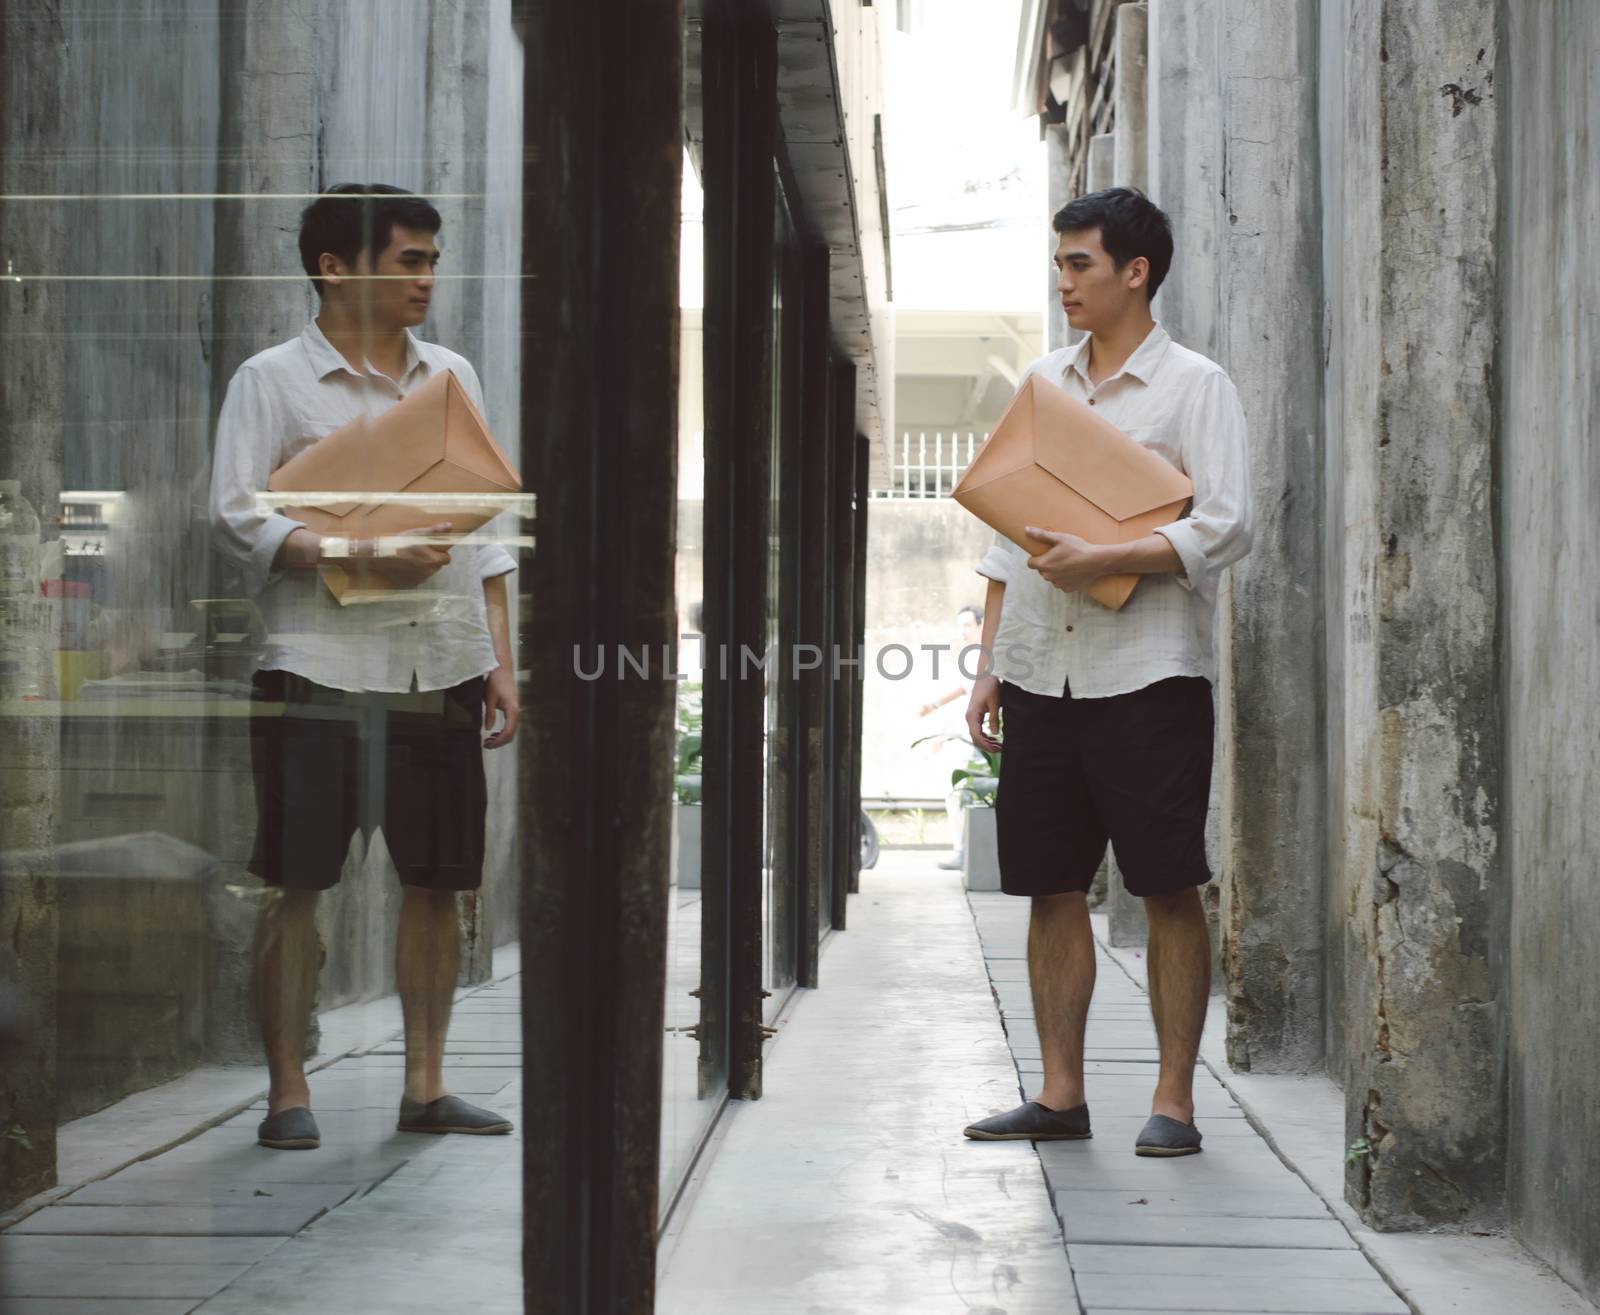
pixel 1268 622
pixel 1421 732
pixel 1127 168
pixel 34 106
pixel 454 169
pixel 1058 182
pixel 1184 146
pixel 1130 153
pixel 270 64
pixel 1098 174
pixel 1549 417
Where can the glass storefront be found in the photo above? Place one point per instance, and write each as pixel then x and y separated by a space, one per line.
pixel 269 502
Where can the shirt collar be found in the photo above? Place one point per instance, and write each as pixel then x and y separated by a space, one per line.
pixel 326 358
pixel 1141 365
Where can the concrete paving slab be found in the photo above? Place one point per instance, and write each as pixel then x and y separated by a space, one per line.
pixel 1242 1202
pixel 142 1189
pixel 1243 1153
pixel 1102 1163
pixel 1218 1262
pixel 16 1248
pixel 233 1156
pixel 454 1045
pixel 486 1027
pixel 95 1305
pixel 1116 1127
pixel 1238 1295
pixel 1120 1229
pixel 395 1061
pixel 1122 1055
pixel 198 1220
pixel 366 1256
pixel 76 1280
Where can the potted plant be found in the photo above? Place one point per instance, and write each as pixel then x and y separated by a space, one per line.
pixel 687 779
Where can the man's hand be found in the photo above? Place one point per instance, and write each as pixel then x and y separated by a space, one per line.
pixel 413 563
pixel 1072 564
pixel 500 696
pixel 985 702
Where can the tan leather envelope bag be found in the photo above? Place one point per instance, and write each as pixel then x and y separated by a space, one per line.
pixel 1056 463
pixel 431 441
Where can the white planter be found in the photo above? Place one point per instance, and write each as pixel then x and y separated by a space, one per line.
pixel 687 817
pixel 981 852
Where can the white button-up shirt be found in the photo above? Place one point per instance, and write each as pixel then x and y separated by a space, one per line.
pixel 428 637
pixel 1183 406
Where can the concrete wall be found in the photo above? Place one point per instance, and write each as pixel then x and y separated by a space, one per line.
pixel 1549 96
pixel 1269 627
pixel 1336 175
pixel 1420 881
pixel 34 106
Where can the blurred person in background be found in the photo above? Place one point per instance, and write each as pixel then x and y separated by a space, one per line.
pixel 957 753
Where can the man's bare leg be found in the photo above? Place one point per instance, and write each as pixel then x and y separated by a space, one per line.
pixel 287 959
pixel 426 958
pixel 1061 975
pixel 1180 984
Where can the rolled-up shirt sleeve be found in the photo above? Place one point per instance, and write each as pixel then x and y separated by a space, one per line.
pixel 251 437
pixel 493 560
pixel 1215 451
pixel 1001 560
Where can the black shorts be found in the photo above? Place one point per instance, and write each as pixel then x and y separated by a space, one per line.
pixel 1134 769
pixel 335 761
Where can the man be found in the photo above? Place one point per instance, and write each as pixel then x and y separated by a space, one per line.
pixel 377 697
pixel 1107 716
pixel 969 621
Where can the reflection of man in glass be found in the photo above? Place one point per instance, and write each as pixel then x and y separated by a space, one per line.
pixel 383 702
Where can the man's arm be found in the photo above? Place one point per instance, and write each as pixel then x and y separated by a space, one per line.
pixel 985 700
pixel 500 693
pixel 251 433
pixel 1217 531
pixel 1216 453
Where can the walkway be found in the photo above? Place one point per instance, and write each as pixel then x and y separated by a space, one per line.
pixel 220 1224
pixel 1232 1229
pixel 848 1188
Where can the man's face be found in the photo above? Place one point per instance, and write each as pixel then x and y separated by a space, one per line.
pixel 398 284
pixel 1094 293
pixel 971 629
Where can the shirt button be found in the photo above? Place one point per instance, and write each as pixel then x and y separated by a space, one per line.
pixel 1069 628
pixel 1091 401
pixel 414 625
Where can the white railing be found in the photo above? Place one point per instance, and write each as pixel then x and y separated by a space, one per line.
pixel 930 465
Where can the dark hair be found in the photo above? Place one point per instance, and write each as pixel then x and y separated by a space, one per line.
pixel 350 218
pixel 977 612
pixel 1130 225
